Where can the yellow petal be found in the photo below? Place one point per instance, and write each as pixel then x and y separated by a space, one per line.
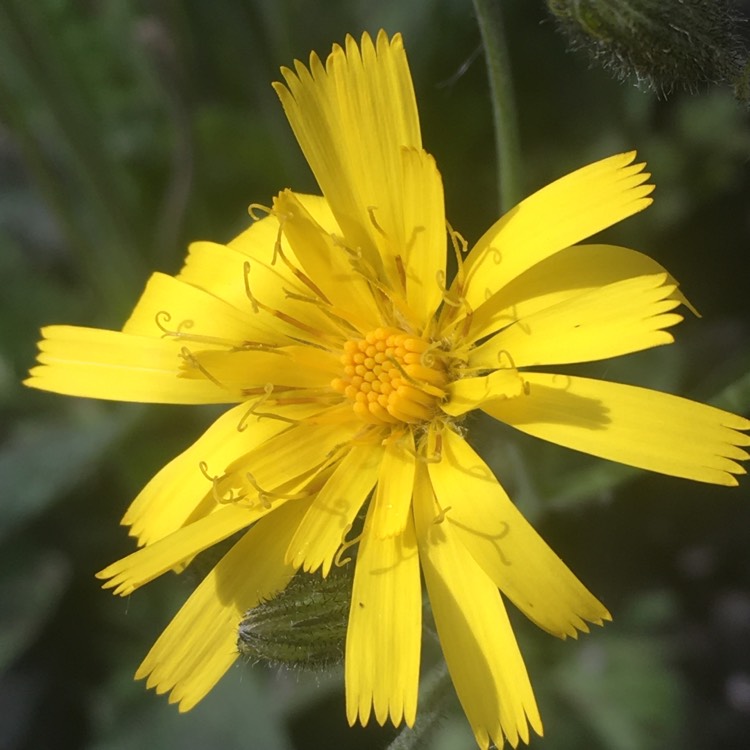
pixel 219 270
pixel 120 367
pixel 283 367
pixel 334 509
pixel 291 455
pixel 351 119
pixel 178 492
pixel 260 238
pixel 468 394
pixel 171 308
pixel 620 318
pixel 635 426
pixel 505 545
pixel 392 502
pixel 559 215
pixel 140 567
pixel 476 636
pixel 327 265
pixel 424 223
pixel 384 632
pixel 199 645
pixel 571 272
pixel 229 275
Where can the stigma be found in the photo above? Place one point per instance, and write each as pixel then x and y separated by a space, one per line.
pixel 392 377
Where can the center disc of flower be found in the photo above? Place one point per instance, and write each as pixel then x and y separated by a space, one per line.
pixel 392 376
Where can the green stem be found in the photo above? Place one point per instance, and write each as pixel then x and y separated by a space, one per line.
pixel 491 25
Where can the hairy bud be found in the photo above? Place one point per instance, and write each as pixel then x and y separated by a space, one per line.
pixel 665 44
pixel 304 627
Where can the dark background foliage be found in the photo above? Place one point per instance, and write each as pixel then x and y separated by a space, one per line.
pixel 128 129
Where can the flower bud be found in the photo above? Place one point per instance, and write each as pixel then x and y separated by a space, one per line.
pixel 304 626
pixel 665 44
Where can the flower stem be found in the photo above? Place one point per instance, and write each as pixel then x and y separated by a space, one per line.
pixel 491 25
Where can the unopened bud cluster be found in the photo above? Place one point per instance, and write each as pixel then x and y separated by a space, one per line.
pixel 304 626
pixel 665 44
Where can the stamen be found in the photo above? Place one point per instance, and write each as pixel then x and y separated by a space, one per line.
pixel 248 293
pixel 304 278
pixel 380 292
pixel 266 496
pixel 192 361
pixel 440 517
pixel 267 391
pixel 374 221
pixel 163 317
pixel 219 499
pixel 401 271
pixel 345 545
pixel 253 208
pixel 258 306
pixel 505 353
pixel 203 466
pixel 460 248
pixel 455 298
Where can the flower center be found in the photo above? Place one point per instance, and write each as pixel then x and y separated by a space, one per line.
pixel 391 376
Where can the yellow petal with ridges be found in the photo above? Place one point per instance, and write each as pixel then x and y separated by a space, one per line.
pixel 294 453
pixel 219 270
pixel 259 239
pixel 424 253
pixel 559 215
pixel 326 264
pixel 571 272
pixel 118 366
pixel 289 366
pixel 470 393
pixel 322 530
pixel 228 274
pixel 634 426
pixel 620 318
pixel 178 492
pixel 199 645
pixel 506 546
pixel 351 119
pixel 480 649
pixel 385 629
pixel 191 314
pixel 392 502
pixel 146 564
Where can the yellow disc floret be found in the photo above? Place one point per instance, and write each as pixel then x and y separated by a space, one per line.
pixel 391 376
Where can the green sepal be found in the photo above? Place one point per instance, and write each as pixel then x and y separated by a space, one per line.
pixel 665 44
pixel 304 626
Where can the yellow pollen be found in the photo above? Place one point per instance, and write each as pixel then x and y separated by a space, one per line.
pixel 391 377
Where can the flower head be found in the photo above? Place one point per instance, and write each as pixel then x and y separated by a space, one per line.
pixel 352 361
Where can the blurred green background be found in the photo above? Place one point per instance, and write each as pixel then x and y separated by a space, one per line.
pixel 128 129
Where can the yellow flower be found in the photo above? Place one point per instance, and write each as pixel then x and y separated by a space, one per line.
pixel 329 323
